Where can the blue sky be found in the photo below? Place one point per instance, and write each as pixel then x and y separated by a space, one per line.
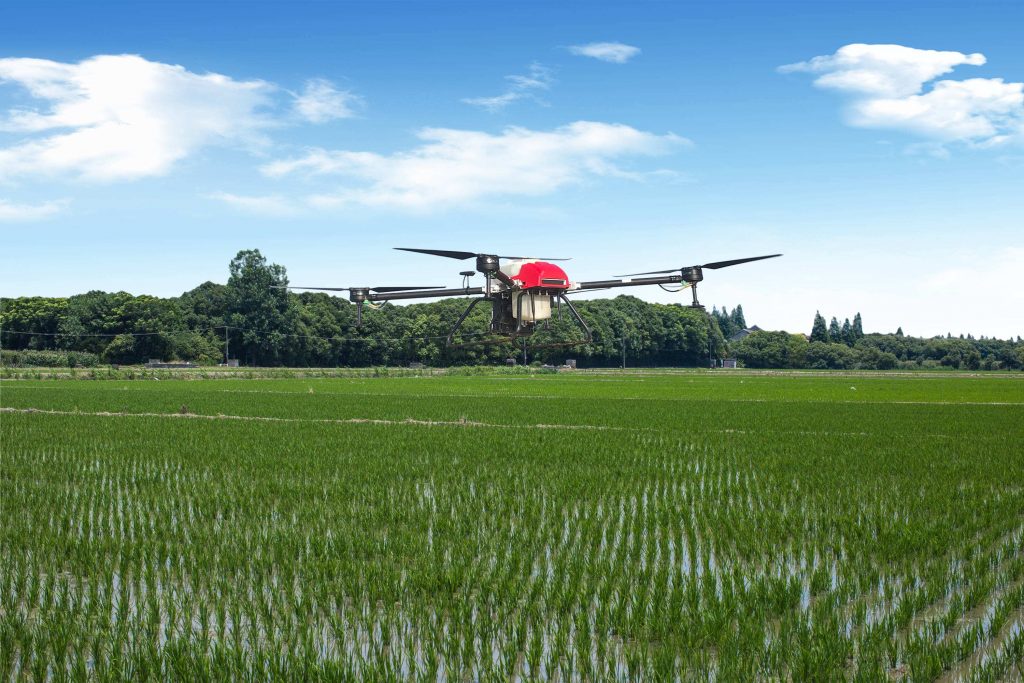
pixel 143 144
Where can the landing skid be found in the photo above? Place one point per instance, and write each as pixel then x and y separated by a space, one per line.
pixel 520 331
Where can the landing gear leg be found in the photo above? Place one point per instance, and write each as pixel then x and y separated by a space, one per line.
pixel 462 319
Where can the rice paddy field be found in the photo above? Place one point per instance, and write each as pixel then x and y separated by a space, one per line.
pixel 572 527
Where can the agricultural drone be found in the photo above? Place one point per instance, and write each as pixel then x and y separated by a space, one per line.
pixel 524 291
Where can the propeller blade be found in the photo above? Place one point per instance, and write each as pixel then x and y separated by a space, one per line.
pixel 650 272
pixel 539 258
pixel 736 262
pixel 710 266
pixel 460 255
pixel 345 289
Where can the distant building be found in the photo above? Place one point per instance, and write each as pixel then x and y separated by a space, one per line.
pixel 744 333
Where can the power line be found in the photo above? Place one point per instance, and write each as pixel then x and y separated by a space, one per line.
pixel 108 334
pixel 232 327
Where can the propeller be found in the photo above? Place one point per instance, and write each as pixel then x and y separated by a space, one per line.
pixel 349 289
pixel 714 265
pixel 463 255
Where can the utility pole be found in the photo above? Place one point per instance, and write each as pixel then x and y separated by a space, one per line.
pixel 524 351
pixel 623 350
pixel 711 362
pixel 226 349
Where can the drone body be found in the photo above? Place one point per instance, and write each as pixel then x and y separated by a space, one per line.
pixel 518 307
pixel 524 292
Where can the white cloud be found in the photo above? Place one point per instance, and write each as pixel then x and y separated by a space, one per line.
pixel 320 101
pixel 18 213
pixel 262 205
pixel 978 109
pixel 121 117
pixel 520 87
pixel 887 85
pixel 495 103
pixel 882 70
pixel 458 166
pixel 617 53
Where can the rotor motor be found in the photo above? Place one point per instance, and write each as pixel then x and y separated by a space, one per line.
pixel 487 263
pixel 692 274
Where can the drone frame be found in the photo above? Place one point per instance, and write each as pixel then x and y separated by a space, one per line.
pixel 521 330
pixel 501 317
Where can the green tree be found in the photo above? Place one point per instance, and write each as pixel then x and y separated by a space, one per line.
pixel 819 333
pixel 834 333
pixel 121 349
pixel 858 327
pixel 260 310
pixel 737 318
pixel 39 314
pixel 826 356
pixel 847 333
pixel 772 350
pixel 725 323
pixel 156 324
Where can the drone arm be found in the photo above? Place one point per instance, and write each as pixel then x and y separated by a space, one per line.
pixel 634 282
pixel 505 279
pixel 424 294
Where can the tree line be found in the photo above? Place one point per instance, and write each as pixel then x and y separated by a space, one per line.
pixel 846 346
pixel 254 320
pixel 250 318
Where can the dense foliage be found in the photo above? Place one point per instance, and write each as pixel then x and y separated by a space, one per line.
pixel 692 526
pixel 877 352
pixel 266 326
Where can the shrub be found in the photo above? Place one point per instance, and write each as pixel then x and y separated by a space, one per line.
pixel 48 359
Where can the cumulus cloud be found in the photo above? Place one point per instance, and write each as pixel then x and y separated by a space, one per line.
pixel 519 87
pixel 320 101
pixel 882 70
pixel 887 88
pixel 19 213
pixel 122 117
pixel 458 166
pixel 617 53
pixel 979 109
